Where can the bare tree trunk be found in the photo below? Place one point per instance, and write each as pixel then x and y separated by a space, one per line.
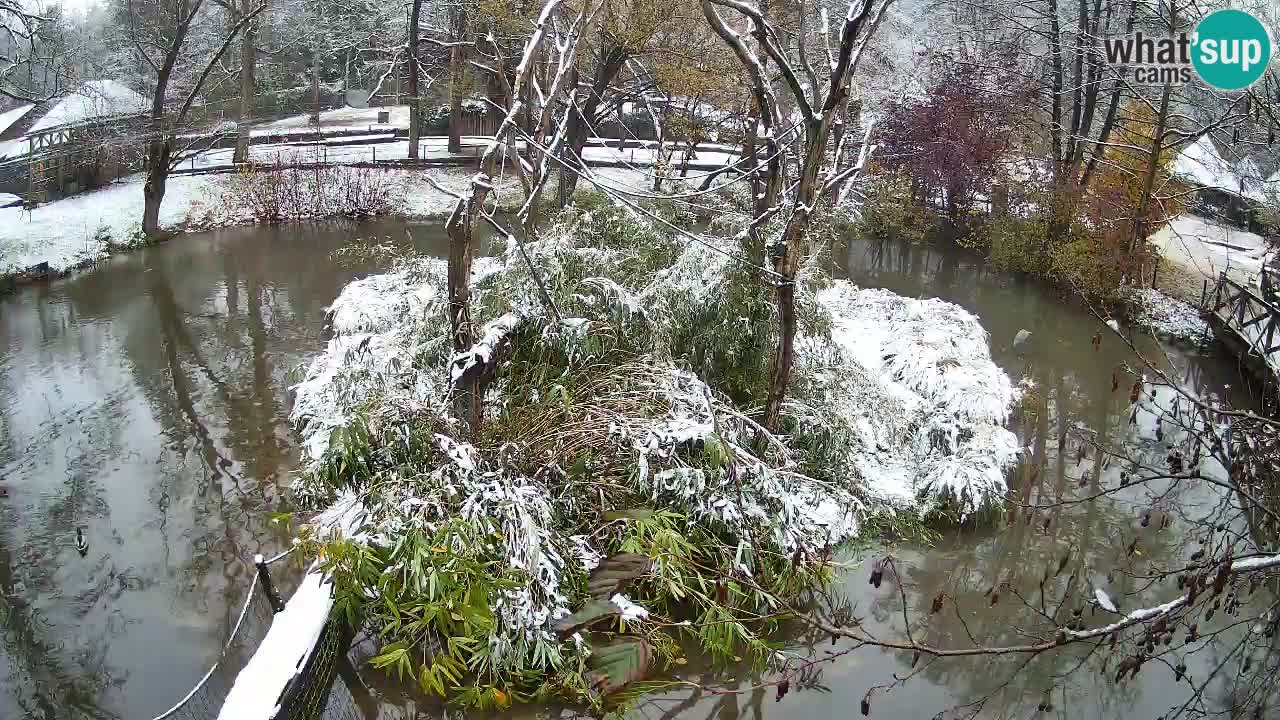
pixel 583 118
pixel 458 23
pixel 248 92
pixel 415 100
pixel 157 174
pixel 1142 217
pixel 315 86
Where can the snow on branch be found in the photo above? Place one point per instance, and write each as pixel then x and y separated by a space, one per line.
pixel 481 357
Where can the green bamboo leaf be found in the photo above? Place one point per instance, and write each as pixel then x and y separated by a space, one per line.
pixel 594 611
pixel 634 514
pixel 619 663
pixel 613 574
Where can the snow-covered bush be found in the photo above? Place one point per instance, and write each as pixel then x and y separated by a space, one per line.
pixel 614 434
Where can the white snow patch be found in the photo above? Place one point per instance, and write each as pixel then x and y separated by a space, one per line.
pixel 1208 248
pixel 80 229
pixel 13 115
pixel 926 360
pixel 630 611
pixel 1168 316
pixel 1201 164
pixel 94 100
pixel 482 352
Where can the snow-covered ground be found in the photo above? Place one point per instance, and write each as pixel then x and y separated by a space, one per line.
pixel 333 151
pixel 82 229
pixel 1167 316
pixel 1205 247
pixel 338 118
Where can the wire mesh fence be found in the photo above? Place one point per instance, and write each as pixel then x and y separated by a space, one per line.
pixel 321 690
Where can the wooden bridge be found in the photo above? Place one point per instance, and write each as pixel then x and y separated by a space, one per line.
pixel 1248 324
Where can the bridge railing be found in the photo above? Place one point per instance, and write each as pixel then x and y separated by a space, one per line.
pixel 1250 316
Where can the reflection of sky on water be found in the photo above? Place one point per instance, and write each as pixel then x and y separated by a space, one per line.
pixel 146 402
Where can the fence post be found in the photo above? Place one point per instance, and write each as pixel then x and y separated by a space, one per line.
pixel 1204 292
pixel 1155 269
pixel 268 587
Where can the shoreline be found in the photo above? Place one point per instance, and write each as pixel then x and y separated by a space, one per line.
pixel 189 210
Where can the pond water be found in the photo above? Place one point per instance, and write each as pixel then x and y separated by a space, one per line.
pixel 146 402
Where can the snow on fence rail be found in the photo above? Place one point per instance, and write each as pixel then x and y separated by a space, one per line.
pixel 200 701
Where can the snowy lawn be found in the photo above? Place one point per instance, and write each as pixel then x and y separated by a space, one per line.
pixel 86 228
pixel 81 229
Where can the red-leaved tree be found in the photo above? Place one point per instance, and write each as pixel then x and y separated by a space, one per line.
pixel 952 140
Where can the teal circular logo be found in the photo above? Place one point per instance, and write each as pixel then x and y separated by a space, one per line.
pixel 1231 49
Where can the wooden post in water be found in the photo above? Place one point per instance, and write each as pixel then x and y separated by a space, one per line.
pixel 268 587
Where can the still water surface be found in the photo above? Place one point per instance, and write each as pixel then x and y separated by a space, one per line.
pixel 146 401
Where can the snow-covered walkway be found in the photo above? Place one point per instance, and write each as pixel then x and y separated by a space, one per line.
pixel 376 148
pixel 1206 248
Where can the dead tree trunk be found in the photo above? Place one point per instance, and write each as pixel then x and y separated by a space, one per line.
pixel 315 86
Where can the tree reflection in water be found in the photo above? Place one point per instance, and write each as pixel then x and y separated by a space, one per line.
pixel 146 401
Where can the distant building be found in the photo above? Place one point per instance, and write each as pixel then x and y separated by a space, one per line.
pixel 72 142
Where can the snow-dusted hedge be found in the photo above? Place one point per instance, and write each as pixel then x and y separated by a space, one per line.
pixel 616 431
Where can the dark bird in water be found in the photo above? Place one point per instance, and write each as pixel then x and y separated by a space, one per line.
pixel 82 545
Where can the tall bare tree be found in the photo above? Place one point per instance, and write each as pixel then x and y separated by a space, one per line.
pixel 817 107
pixel 162 35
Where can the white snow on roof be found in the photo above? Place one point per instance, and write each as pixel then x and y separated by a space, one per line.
pixel 94 100
pixel 9 117
pixel 1202 164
